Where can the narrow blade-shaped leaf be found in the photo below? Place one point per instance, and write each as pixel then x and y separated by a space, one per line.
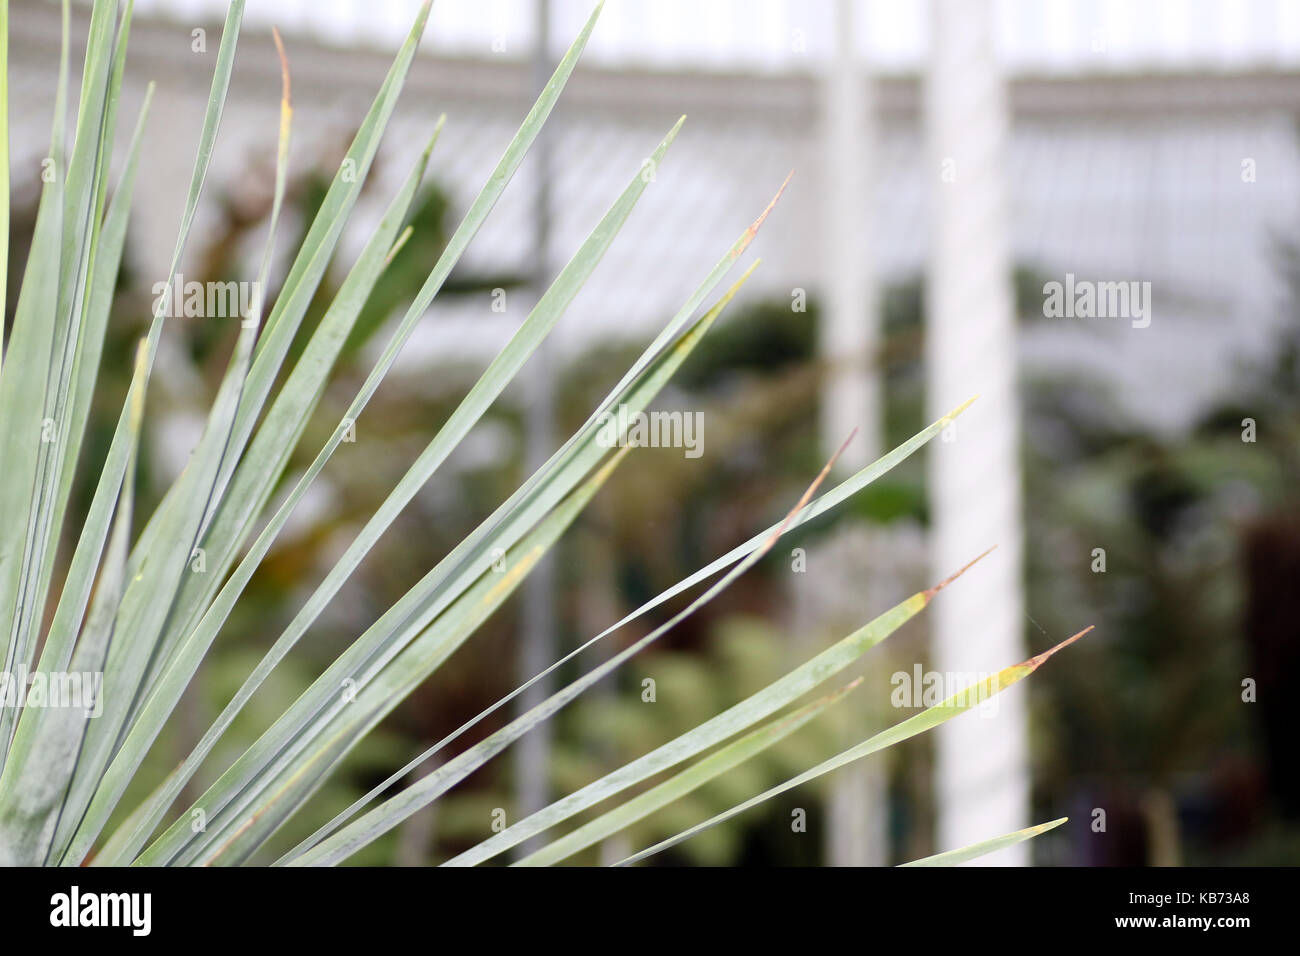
pixel 984 847
pixel 675 787
pixel 928 719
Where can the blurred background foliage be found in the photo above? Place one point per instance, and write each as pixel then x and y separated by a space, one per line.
pixel 1199 533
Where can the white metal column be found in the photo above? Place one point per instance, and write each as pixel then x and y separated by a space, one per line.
pixel 849 331
pixel 538 618
pixel 848 337
pixel 981 776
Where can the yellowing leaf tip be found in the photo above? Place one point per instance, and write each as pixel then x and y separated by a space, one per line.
pixel 960 408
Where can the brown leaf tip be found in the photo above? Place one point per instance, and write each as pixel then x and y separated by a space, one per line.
pixel 807 496
pixel 932 591
pixel 1037 660
pixel 284 66
pixel 752 231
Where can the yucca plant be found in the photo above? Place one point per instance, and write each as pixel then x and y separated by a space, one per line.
pixel 135 609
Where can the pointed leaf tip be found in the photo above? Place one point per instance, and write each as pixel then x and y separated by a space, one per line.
pixel 757 224
pixel 977 850
pixel 804 499
pixel 845 444
pixel 961 408
pixel 284 69
pixel 932 591
pixel 1037 660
